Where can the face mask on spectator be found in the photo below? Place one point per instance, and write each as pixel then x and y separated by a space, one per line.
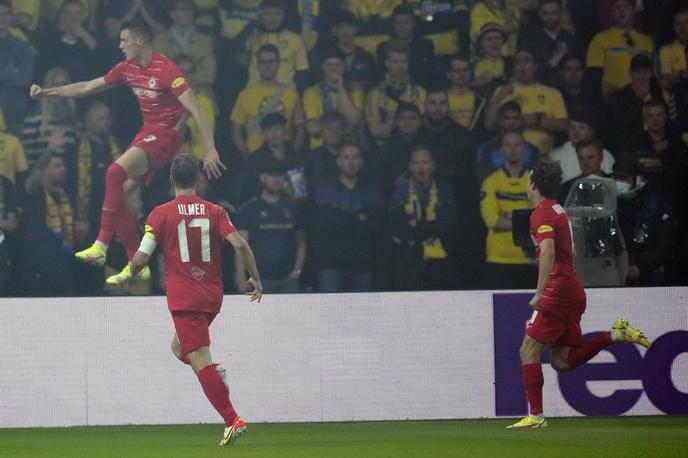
pixel 622 188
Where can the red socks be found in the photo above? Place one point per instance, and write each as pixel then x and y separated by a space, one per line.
pixel 115 216
pixel 532 382
pixel 590 348
pixel 216 392
pixel 113 203
pixel 127 230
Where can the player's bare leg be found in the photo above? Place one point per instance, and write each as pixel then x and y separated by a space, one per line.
pixel 215 388
pixel 531 369
pixel 115 215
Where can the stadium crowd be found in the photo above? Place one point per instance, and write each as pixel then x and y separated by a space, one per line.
pixel 370 144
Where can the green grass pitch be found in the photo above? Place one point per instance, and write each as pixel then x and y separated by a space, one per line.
pixel 565 437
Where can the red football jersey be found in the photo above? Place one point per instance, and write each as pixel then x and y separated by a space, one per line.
pixel 156 87
pixel 190 231
pixel 549 220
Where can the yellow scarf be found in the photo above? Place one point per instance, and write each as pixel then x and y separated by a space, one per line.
pixel 85 180
pixel 60 219
pixel 432 247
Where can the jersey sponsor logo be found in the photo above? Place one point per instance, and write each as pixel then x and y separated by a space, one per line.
pixel 149 138
pixel 178 82
pixel 545 228
pixel 197 273
pixel 141 92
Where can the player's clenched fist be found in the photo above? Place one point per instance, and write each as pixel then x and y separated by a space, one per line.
pixel 36 91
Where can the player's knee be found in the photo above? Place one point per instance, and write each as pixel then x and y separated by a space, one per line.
pixel 176 349
pixel 559 365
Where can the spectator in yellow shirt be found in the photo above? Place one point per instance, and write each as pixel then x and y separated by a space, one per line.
pixel 610 51
pixel 396 86
pixel 271 30
pixel 494 12
pixel 489 69
pixel 12 157
pixel 331 94
pixel 465 105
pixel 183 39
pixel 502 192
pixel 543 107
pixel 266 96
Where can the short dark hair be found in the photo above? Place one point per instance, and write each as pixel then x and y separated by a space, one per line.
pixel 461 56
pixel 545 2
pixel 546 176
pixel 331 117
pixel 350 144
pixel 344 17
pixel 588 142
pixel 641 61
pixel 274 4
pixel 571 55
pixel 272 119
pixel 268 48
pixel 422 147
pixel 405 107
pixel 138 27
pixel 332 52
pixel 402 10
pixel 681 10
pixel 530 50
pixel 184 171
pixel 511 105
pixel 397 47
pixel 655 102
pixel 6 4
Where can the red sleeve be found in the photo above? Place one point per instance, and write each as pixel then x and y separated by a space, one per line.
pixel 154 225
pixel 175 79
pixel 116 75
pixel 543 223
pixel 224 226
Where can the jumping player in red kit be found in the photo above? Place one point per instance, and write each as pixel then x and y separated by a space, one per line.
pixel 190 231
pixel 163 95
pixel 559 300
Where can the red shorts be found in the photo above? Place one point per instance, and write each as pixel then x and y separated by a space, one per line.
pixel 161 146
pixel 557 325
pixel 192 329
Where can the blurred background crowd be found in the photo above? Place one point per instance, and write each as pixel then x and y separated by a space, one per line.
pixel 371 145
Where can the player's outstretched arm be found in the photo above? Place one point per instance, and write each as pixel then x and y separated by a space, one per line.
pixel 211 161
pixel 74 90
pixel 244 252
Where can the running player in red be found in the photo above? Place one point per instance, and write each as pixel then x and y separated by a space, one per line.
pixel 163 95
pixel 190 231
pixel 559 300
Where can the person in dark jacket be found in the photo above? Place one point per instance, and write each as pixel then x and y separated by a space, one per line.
pixel 423 220
pixel 348 216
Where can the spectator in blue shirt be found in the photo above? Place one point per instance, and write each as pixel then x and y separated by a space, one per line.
pixel 273 224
